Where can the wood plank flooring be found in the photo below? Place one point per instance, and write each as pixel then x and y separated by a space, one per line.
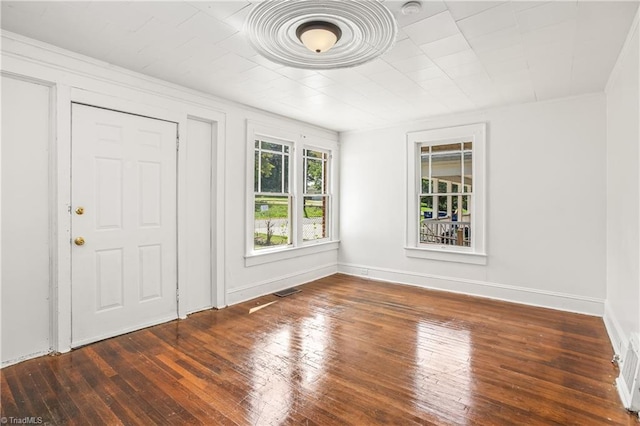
pixel 343 351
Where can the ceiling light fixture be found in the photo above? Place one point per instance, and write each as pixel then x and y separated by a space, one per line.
pixel 319 36
pixel 411 8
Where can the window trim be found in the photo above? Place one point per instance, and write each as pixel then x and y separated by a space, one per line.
pixel 475 254
pixel 289 252
pixel 298 142
pixel 281 139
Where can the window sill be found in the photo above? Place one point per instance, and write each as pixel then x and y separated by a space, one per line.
pixel 289 253
pixel 446 255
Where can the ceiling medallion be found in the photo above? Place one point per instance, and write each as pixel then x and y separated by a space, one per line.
pixel 321 34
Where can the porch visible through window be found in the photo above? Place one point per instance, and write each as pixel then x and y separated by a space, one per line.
pixel 446 193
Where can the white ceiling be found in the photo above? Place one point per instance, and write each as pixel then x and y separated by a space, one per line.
pixel 453 56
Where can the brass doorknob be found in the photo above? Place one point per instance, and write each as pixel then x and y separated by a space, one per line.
pixel 80 211
pixel 79 241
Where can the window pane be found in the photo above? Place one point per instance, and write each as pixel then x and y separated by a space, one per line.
pixel 314 154
pixel 271 172
pixel 468 172
pixel 424 173
pixel 256 172
pixel 444 202
pixel 315 169
pixel 285 175
pixel 272 221
pixel 314 221
pixel 468 146
pixel 465 221
pixel 427 215
pixel 272 146
pixel 425 186
pixel 448 225
pixel 466 208
pixel 446 169
pixel 426 208
pixel 447 147
pixel 314 178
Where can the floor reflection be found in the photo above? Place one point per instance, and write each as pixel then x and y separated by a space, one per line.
pixel 288 364
pixel 316 337
pixel 443 375
pixel 270 397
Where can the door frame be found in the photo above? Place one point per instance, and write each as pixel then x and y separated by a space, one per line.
pixel 174 111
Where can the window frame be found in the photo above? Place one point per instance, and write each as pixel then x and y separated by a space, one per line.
pixel 297 143
pixel 327 194
pixel 476 253
pixel 288 179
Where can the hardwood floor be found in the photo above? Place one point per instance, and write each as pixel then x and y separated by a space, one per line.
pixel 343 351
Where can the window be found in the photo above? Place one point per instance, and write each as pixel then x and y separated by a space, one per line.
pixel 446 194
pixel 316 196
pixel 272 199
pixel 290 206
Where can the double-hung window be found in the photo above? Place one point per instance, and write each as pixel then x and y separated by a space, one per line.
pixel 272 193
pixel 291 205
pixel 316 198
pixel 446 194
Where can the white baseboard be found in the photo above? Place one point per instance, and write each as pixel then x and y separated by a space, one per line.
pixel 616 335
pixel 248 292
pixel 508 293
pixel 625 397
pixel 196 310
pixel 24 358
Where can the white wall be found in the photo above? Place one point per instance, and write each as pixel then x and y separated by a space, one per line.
pixel 26 135
pixel 623 196
pixel 545 206
pixel 76 77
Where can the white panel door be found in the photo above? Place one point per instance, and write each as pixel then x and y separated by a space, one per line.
pixel 124 275
pixel 25 220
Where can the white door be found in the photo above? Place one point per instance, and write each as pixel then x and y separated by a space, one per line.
pixel 199 248
pixel 124 255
